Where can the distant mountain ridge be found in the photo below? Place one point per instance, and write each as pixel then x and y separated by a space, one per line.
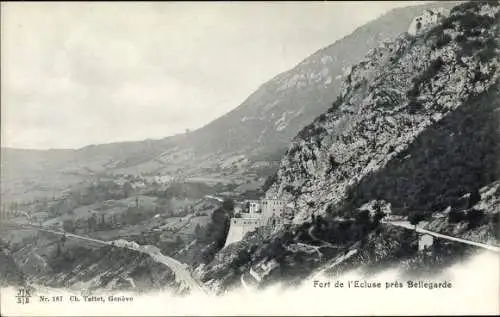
pixel 269 118
pixel 258 130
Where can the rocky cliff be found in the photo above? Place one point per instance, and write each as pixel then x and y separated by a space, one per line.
pixel 416 123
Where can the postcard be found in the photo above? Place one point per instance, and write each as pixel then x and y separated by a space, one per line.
pixel 250 158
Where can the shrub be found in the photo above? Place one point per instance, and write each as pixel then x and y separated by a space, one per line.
pixel 335 104
pixel 415 218
pixel 460 38
pixel 270 181
pixel 470 21
pixel 474 198
pixel 456 9
pixel 330 209
pixel 495 221
pixel 469 47
pixel 456 216
pixel 413 92
pixel 379 215
pixel 310 131
pixel 431 71
pixel 306 131
pixel 288 188
pixel 414 106
pixel 442 40
pixel 489 51
pixel 318 142
pixel 333 163
pixel 474 218
pixel 362 217
pixel 228 205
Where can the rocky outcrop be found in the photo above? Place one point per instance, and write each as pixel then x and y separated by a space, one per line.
pixel 10 273
pixel 474 216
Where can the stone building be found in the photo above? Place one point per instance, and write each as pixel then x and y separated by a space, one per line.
pixel 425 241
pixel 287 215
pixel 271 206
pixel 267 213
pixel 254 206
pixel 427 19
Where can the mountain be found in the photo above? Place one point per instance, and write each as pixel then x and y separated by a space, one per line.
pixel 258 130
pixel 263 125
pixel 416 124
pixel 415 129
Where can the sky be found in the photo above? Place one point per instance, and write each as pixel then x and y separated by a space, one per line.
pixel 80 73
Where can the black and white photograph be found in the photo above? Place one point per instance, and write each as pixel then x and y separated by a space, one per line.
pixel 250 158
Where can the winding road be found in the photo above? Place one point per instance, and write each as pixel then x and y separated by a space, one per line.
pixel 179 269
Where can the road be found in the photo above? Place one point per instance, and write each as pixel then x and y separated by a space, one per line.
pixel 179 269
pixel 60 232
pixel 244 284
pixel 407 225
pixel 326 244
pixel 335 263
